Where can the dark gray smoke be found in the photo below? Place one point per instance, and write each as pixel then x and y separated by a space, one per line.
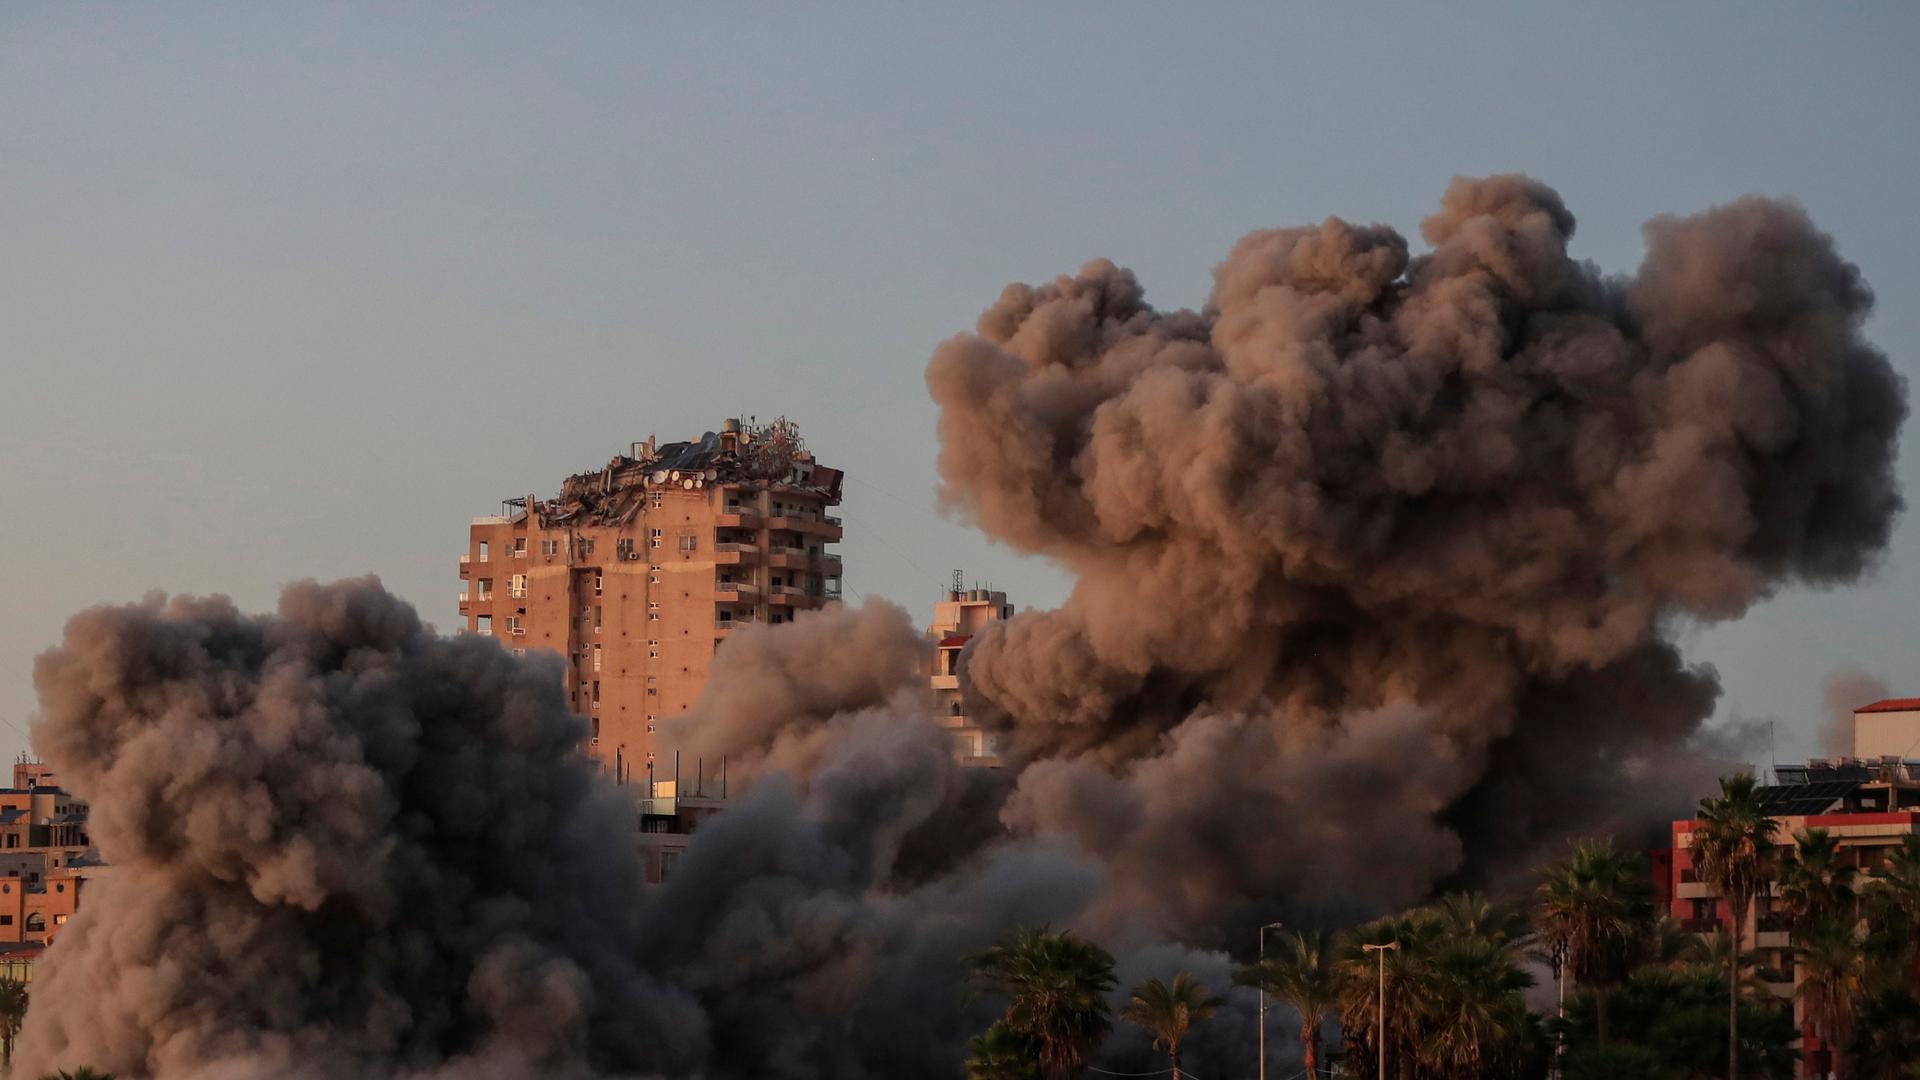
pixel 1376 554
pixel 340 844
pixel 1377 560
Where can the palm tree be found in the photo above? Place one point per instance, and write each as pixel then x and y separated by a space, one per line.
pixel 1886 1043
pixel 13 1011
pixel 1595 907
pixel 1001 1053
pixel 1473 915
pixel 1833 979
pixel 1715 952
pixel 1414 935
pixel 1303 973
pixel 82 1073
pixel 1474 1010
pixel 1168 1012
pixel 1733 851
pixel 1815 883
pixel 1057 986
pixel 1892 898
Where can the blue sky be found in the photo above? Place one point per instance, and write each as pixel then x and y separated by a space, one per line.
pixel 294 290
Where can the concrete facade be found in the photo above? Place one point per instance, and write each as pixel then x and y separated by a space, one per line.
pixel 636 573
pixel 1887 729
pixel 955 621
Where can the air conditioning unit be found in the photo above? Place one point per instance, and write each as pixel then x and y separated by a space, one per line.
pixel 519 631
pixel 633 556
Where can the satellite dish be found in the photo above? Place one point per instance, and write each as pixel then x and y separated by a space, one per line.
pixel 688 484
pixel 676 474
pixel 660 476
pixel 713 474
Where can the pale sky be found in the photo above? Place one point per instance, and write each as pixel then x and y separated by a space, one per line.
pixel 295 290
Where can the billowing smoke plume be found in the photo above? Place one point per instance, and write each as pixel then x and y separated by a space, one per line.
pixel 1376 560
pixel 1374 554
pixel 1843 691
pixel 339 844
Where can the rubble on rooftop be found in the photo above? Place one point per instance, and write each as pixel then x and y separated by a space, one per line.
pixel 770 454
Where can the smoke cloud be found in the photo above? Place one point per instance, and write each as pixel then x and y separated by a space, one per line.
pixel 1843 691
pixel 1378 559
pixel 1375 554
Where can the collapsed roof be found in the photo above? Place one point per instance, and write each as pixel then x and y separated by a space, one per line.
pixel 766 455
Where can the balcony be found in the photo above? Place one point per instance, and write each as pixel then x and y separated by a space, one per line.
pixel 737 517
pixel 788 558
pixel 465 559
pixel 792 596
pixel 722 627
pixel 945 682
pixel 827 528
pixel 731 592
pixel 736 554
pixel 828 565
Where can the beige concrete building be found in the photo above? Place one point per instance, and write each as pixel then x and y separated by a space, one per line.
pixel 637 571
pixel 955 621
pixel 1887 730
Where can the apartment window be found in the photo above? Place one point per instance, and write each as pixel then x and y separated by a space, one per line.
pixel 550 547
pixel 519 652
pixel 653 686
pixel 623 547
pixel 651 720
pixel 486 588
pixel 596 658
pixel 596 693
pixel 464 587
pixel 483 551
pixel 483 624
pixel 657 538
pixel 514 627
pixel 599 582
pixel 653 579
pixel 6 920
pixel 59 920
pixel 586 545
pixel 596 618
pixel 689 542
pixel 653 649
pixel 726 615
pixel 519 547
pixel 778 581
pixel 653 500
pixel 667 859
pixel 776 618
pixel 36 923
pixel 517 586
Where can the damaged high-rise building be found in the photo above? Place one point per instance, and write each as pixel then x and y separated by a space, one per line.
pixel 637 571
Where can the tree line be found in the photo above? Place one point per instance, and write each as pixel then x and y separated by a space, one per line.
pixel 1636 992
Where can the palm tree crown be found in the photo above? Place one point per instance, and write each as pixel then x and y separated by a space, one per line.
pixel 1304 975
pixel 1057 986
pixel 1169 1011
pixel 1816 883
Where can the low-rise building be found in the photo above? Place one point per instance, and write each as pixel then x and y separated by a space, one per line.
pixel 46 857
pixel 1868 804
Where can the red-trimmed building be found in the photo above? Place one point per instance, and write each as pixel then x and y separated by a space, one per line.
pixel 1867 802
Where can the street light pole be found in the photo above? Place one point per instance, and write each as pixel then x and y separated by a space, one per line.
pixel 1261 985
pixel 1380 1022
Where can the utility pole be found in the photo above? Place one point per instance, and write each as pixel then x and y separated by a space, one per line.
pixel 1380 1022
pixel 1262 987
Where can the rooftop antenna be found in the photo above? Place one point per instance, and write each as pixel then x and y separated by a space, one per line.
pixel 959 581
pixel 1773 756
